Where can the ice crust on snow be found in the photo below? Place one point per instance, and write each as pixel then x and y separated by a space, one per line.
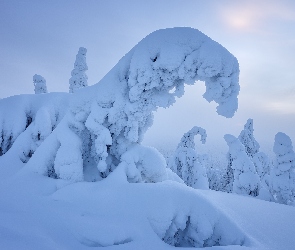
pixel 104 120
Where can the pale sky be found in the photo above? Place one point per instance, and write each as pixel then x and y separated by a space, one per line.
pixel 43 37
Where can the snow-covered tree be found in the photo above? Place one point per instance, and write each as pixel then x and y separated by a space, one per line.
pixel 283 175
pixel 40 84
pixel 248 140
pixel 246 181
pixel 94 128
pixel 79 77
pixel 262 164
pixel 228 176
pixel 260 159
pixel 186 163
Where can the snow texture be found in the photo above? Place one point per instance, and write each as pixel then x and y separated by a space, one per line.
pixel 40 84
pixel 103 121
pixel 283 174
pixel 246 180
pixel 186 162
pixel 79 77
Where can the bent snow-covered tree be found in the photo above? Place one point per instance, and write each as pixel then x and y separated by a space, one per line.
pixel 92 128
pixel 185 160
pixel 246 181
pixel 283 174
pixel 79 77
pixel 40 84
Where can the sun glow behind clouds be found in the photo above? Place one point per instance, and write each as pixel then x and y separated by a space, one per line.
pixel 252 15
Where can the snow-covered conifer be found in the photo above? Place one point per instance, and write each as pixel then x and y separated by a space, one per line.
pixel 282 176
pixel 262 164
pixel 79 77
pixel 229 174
pixel 186 163
pixel 246 180
pixel 248 140
pixel 40 84
pixel 102 122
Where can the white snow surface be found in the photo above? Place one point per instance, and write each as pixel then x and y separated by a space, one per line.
pixel 37 212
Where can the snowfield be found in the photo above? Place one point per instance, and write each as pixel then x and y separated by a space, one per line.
pixel 74 174
pixel 38 212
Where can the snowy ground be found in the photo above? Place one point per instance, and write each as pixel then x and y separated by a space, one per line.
pixel 38 212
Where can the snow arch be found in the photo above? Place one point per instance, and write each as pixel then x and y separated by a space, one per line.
pixel 105 120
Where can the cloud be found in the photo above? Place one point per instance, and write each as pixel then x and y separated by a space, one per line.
pixel 282 107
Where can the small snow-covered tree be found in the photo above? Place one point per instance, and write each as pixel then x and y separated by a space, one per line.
pixel 282 176
pixel 248 140
pixel 79 77
pixel 246 180
pixel 186 163
pixel 229 174
pixel 262 166
pixel 40 84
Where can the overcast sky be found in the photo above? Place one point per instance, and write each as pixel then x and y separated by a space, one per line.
pixel 43 37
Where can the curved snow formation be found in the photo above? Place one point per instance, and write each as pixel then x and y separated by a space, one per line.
pixel 185 161
pixel 103 121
